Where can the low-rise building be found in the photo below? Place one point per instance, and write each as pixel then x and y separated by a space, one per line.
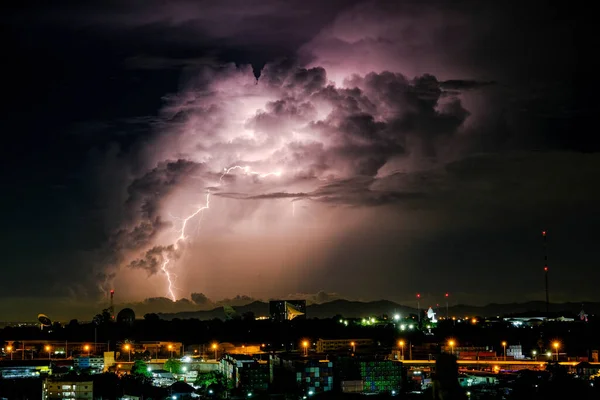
pixel 95 364
pixel 162 378
pixel 24 368
pixel 333 345
pixel 59 389
pixel 245 372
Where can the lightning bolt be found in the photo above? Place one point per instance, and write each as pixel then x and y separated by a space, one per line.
pixel 226 171
pixel 247 171
pixel 169 280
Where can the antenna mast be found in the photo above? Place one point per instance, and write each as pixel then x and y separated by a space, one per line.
pixel 112 305
pixel 546 270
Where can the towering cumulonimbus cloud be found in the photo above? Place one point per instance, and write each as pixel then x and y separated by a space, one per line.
pixel 291 135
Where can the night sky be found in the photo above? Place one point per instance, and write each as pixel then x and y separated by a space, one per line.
pixel 324 149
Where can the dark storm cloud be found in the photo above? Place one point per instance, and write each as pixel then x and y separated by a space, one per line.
pixel 146 192
pixel 144 197
pixel 200 298
pixel 154 258
pixel 463 84
pixel 450 111
pixel 353 192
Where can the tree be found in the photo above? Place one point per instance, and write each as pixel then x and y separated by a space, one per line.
pixel 174 366
pixel 152 317
pixel 209 378
pixel 140 368
pixel 248 316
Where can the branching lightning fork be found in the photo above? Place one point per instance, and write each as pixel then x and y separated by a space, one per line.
pixel 167 259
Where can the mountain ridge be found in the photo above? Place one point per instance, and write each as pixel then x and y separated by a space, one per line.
pixel 360 309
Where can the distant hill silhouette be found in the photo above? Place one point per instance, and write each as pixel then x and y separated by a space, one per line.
pixel 359 309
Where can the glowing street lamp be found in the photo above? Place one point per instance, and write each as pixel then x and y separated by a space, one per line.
pixel 127 347
pixel 87 348
pixel 451 343
pixel 305 346
pixel 401 344
pixel 215 347
pixel 534 353
pixel 170 347
pixel 504 345
pixel 556 345
pixel 10 350
pixel 48 348
pixel 353 344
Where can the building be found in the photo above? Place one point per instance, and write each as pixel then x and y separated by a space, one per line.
pixel 352 386
pixel 95 364
pixel 248 349
pixel 315 376
pixel 67 389
pixel 286 310
pixel 162 378
pixel 333 345
pixel 159 349
pixel 24 369
pixel 515 351
pixel 245 372
pixel 476 378
pixel 380 375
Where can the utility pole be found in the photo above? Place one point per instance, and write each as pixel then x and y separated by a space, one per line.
pixel 447 295
pixel 419 307
pixel 546 270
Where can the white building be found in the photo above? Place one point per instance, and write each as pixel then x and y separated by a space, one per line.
pixel 515 351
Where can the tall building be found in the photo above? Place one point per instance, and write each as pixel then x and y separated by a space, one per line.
pixel 55 389
pixel 287 310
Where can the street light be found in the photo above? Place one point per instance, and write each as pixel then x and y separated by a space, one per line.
pixel 353 344
pixel 504 345
pixel 556 345
pixel 214 347
pixel 451 343
pixel 534 353
pixel 401 344
pixel 87 348
pixel 9 349
pixel 170 347
pixel 48 348
pixel 128 348
pixel 305 346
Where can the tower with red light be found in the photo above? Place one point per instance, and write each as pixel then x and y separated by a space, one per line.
pixel 447 296
pixel 419 306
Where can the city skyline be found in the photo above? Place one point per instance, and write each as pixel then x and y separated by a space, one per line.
pixel 365 150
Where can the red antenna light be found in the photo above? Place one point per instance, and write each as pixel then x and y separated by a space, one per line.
pixel 112 291
pixel 543 233
pixel 447 295
pixel 418 295
pixel 546 269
